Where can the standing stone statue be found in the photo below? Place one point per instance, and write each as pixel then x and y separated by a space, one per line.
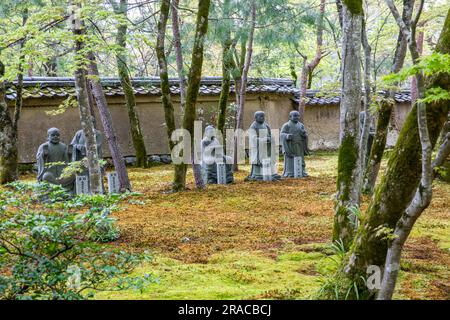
pixel 294 141
pixel 262 149
pixel 212 154
pixel 79 145
pixel 50 152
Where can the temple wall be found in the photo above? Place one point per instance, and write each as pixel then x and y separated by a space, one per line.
pixel 321 121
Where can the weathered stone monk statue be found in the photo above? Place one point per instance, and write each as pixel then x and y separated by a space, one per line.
pixel 294 142
pixel 212 153
pixel 79 145
pixel 50 152
pixel 262 148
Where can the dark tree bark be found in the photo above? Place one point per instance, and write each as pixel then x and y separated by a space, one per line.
pixel 9 156
pixel 227 66
pixel 243 80
pixel 398 186
pixel 348 160
pixel 130 98
pixel 108 126
pixel 87 123
pixel 195 73
pixel 386 107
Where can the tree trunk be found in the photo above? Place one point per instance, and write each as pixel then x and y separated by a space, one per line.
pixel 244 78
pixel 386 108
pixel 424 192
pixel 365 131
pixel 87 123
pixel 397 187
pixel 130 99
pixel 8 138
pixel 178 50
pixel 227 66
pixel 108 127
pixel 444 149
pixel 348 160
pixel 194 78
pixel 308 68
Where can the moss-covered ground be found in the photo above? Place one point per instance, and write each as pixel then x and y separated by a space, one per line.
pixel 267 240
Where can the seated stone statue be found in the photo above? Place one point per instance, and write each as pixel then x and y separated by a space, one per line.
pixel 262 148
pixel 79 145
pixel 50 152
pixel 294 144
pixel 212 153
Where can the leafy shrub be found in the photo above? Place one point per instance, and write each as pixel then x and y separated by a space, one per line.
pixel 47 249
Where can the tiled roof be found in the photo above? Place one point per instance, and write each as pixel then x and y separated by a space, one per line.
pixel 43 87
pixel 315 97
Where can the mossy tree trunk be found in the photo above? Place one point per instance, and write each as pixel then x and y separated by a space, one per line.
pixel 386 108
pixel 348 159
pixel 227 66
pixel 86 118
pixel 397 187
pixel 130 98
pixel 195 73
pixel 108 126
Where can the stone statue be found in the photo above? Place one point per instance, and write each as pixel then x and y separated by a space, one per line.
pixel 262 148
pixel 212 153
pixel 294 142
pixel 79 145
pixel 362 117
pixel 49 152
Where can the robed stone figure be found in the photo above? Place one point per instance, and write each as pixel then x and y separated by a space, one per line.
pixel 294 142
pixel 79 145
pixel 262 148
pixel 53 151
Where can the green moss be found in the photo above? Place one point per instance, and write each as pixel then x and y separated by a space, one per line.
pixel 231 275
pixel 354 6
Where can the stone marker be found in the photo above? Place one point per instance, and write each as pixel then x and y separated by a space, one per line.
pixel 221 173
pixel 82 184
pixel 267 169
pixel 113 182
pixel 298 167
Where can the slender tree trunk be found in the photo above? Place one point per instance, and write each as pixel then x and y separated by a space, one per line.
pixel 178 51
pixel 386 107
pixel 363 144
pixel 108 126
pixel 194 78
pixel 9 155
pixel 423 194
pixel 87 123
pixel 227 65
pixel 8 138
pixel 130 98
pixel 348 160
pixel 308 68
pixel 244 78
pixel 398 186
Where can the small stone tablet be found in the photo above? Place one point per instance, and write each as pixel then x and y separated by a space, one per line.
pixel 298 168
pixel 113 182
pixel 267 169
pixel 82 185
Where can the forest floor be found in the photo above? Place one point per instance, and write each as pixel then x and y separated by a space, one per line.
pixel 266 240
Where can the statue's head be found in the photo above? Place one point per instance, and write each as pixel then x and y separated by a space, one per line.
pixel 260 117
pixel 210 132
pixel 53 135
pixel 294 116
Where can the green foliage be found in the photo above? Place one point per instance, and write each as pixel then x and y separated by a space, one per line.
pixel 46 249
